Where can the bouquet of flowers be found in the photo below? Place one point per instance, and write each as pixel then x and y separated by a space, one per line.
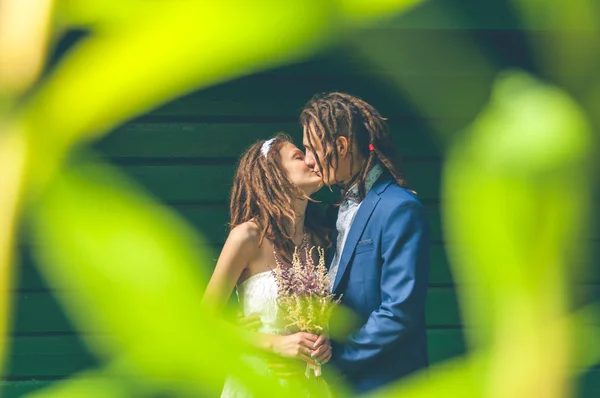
pixel 304 295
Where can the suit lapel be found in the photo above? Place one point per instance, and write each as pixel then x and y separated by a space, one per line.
pixel 334 235
pixel 330 253
pixel 356 229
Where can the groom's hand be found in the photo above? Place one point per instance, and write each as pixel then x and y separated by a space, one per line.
pixel 322 350
pixel 322 339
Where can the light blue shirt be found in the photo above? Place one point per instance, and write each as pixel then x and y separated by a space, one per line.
pixel 346 215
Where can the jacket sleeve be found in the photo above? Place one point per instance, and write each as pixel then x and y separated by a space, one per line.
pixel 404 278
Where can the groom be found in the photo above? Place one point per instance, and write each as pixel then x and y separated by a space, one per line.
pixel 380 264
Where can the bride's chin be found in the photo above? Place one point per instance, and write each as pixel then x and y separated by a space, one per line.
pixel 312 190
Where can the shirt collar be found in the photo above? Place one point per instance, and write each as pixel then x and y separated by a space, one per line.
pixel 372 176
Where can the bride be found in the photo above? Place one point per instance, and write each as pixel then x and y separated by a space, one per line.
pixel 269 218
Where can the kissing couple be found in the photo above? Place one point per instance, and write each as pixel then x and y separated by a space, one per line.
pixel 377 253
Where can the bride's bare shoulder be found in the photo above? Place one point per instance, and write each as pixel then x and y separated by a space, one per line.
pixel 246 233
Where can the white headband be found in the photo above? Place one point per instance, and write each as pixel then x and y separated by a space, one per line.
pixel 266 147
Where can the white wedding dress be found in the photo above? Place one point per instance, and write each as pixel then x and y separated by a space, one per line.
pixel 258 296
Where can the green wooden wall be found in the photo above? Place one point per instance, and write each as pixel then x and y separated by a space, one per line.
pixel 185 152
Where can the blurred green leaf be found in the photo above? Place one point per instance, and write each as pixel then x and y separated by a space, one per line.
pixel 400 55
pixel 566 49
pixel 586 328
pixel 460 377
pixel 24 32
pixel 163 50
pixel 13 155
pixel 516 189
pixel 90 384
pixel 139 55
pixel 466 376
pixel 132 270
pixel 369 10
pixel 98 14
pixel 22 53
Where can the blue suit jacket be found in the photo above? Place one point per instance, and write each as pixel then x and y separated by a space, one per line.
pixel 383 275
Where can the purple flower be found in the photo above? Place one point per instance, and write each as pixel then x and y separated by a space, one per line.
pixel 304 292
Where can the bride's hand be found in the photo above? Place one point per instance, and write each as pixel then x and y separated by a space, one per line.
pixel 297 345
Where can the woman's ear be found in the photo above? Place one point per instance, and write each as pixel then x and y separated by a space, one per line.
pixel 342 146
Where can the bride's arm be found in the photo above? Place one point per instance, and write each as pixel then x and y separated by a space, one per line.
pixel 241 248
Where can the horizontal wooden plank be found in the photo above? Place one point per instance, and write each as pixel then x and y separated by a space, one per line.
pixel 587 268
pixel 49 344
pixel 464 15
pixel 587 294
pixel 424 50
pixel 51 365
pixel 39 312
pixel 29 278
pixel 212 183
pixel 229 140
pixel 60 356
pixel 212 221
pixel 443 344
pixel 19 389
pixel 584 272
pixel 185 183
pixel 283 96
pixel 440 55
pixel 442 308
pixel 588 386
pixel 439 267
pixel 432 61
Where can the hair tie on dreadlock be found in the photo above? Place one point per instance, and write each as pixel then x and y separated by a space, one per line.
pixel 371 147
pixel 266 147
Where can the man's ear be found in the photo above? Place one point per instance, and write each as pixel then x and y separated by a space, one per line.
pixel 342 146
